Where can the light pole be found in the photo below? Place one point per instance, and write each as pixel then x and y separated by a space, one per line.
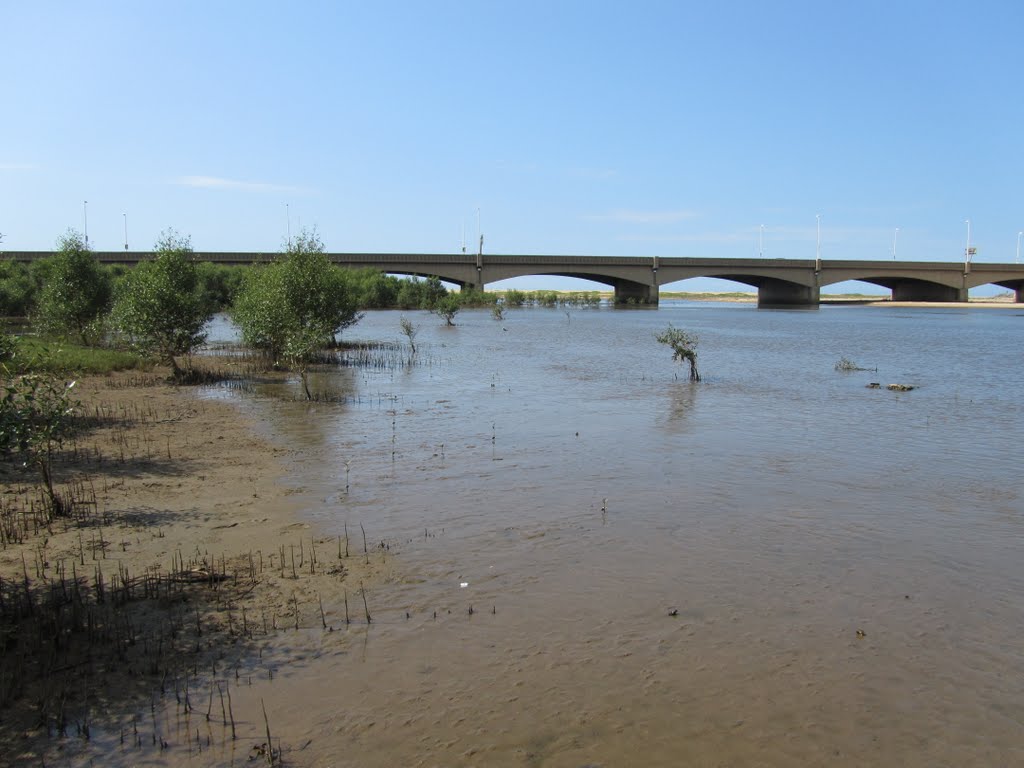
pixel 125 230
pixel 760 243
pixel 817 249
pixel 288 218
pixel 1018 247
pixel 85 221
pixel 967 250
pixel 894 234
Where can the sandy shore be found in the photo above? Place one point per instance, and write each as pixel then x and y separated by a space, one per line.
pixel 182 559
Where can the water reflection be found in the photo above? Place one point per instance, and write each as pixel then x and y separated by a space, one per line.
pixel 682 398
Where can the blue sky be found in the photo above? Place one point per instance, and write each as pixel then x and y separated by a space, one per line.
pixel 669 128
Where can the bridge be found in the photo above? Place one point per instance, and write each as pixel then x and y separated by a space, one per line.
pixel 636 279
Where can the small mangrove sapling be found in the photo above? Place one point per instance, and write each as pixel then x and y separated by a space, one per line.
pixel 683 346
pixel 409 330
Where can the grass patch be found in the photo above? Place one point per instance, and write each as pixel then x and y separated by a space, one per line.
pixel 35 355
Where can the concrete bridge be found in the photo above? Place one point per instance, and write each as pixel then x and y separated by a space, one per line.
pixel 636 279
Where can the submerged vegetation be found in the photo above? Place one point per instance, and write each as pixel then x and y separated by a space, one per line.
pixel 846 365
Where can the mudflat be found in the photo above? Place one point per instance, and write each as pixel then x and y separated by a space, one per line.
pixel 181 558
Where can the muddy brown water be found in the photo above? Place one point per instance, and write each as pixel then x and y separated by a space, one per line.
pixel 777 566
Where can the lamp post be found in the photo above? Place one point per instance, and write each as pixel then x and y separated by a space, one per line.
pixel 894 234
pixel 1018 247
pixel 967 250
pixel 125 230
pixel 817 249
pixel 760 243
pixel 288 220
pixel 85 221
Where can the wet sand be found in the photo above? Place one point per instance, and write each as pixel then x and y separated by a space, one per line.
pixel 184 487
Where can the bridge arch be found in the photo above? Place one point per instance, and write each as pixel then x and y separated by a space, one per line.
pixel 943 282
pixel 1004 279
pixel 799 290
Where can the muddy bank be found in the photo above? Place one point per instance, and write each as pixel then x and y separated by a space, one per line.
pixel 183 562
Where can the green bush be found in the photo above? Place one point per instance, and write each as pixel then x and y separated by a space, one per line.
pixel 162 306
pixel 18 289
pixel 293 308
pixel 76 292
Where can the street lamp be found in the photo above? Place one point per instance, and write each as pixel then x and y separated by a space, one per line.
pixel 288 218
pixel 894 243
pixel 760 243
pixel 125 230
pixel 1018 247
pixel 817 250
pixel 85 221
pixel 967 250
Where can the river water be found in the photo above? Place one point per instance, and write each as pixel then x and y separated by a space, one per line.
pixel 775 566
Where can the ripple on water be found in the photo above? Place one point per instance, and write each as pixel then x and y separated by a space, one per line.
pixel 779 507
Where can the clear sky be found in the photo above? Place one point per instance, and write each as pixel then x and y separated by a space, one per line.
pixel 606 128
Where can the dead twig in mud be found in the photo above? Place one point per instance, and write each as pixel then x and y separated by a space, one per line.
pixel 231 711
pixel 270 742
pixel 366 608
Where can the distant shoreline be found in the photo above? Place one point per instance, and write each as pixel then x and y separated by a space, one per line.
pixel 852 299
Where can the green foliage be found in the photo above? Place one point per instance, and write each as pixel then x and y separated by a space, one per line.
pixel 76 292
pixel 35 416
pixel 414 293
pixel 374 289
pixel 447 307
pixel 515 298
pixel 291 309
pixel 220 283
pixel 409 330
pixel 18 289
pixel 683 347
pixel 8 347
pixel 34 413
pixel 473 297
pixel 433 292
pixel 162 306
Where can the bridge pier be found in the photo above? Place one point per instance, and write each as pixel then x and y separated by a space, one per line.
pixel 919 290
pixel 628 292
pixel 1018 294
pixel 779 293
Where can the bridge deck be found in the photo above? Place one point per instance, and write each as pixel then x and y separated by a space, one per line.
pixel 638 278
